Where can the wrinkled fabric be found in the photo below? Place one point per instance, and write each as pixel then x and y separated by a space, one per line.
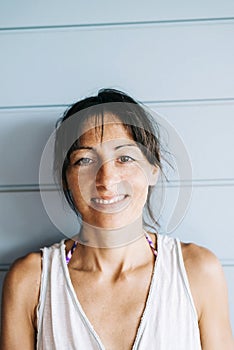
pixel 169 321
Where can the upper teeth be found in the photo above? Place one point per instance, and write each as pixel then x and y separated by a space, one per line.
pixel 108 201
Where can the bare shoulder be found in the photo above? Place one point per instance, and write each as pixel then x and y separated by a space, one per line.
pixel 26 269
pixel 22 282
pixel 200 260
pixel 209 290
pixel 203 269
pixel 19 303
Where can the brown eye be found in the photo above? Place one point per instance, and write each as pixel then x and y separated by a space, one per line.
pixel 126 159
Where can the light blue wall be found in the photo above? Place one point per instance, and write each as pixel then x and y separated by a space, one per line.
pixel 177 57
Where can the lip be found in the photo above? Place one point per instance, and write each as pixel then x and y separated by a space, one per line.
pixel 110 203
pixel 108 200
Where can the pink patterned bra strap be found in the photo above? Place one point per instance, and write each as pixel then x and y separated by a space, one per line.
pixel 147 236
pixel 71 251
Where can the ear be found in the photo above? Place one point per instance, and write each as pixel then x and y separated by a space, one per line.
pixel 153 175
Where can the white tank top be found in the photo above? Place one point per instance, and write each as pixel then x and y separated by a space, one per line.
pixel 169 321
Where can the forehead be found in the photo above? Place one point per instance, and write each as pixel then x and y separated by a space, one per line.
pixel 103 129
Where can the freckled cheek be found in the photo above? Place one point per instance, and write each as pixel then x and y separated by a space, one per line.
pixel 84 181
pixel 140 174
pixel 138 182
pixel 81 184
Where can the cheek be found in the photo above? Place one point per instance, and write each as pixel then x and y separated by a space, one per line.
pixel 138 182
pixel 141 174
pixel 78 180
pixel 72 180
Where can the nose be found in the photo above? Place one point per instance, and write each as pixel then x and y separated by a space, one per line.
pixel 108 175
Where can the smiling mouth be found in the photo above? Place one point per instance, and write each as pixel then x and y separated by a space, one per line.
pixel 113 200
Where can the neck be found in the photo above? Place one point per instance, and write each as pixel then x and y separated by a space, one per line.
pixel 113 263
pixel 113 252
pixel 110 238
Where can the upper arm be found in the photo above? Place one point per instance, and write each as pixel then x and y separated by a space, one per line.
pixel 209 288
pixel 19 301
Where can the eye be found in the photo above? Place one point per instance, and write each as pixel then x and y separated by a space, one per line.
pixel 125 159
pixel 84 161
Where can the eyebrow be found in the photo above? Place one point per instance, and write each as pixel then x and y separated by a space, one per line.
pixel 84 147
pixel 116 148
pixel 127 145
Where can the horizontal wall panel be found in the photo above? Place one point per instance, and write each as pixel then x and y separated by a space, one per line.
pixel 153 62
pixel 24 225
pixel 23 135
pixel 206 132
pixel 229 273
pixel 27 13
pixel 208 221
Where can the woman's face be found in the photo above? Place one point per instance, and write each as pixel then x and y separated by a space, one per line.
pixel 109 177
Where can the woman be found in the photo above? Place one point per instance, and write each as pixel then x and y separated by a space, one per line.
pixel 114 286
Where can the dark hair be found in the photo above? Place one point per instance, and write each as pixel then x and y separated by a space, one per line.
pixel 134 117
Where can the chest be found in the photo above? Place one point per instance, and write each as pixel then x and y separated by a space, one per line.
pixel 114 309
